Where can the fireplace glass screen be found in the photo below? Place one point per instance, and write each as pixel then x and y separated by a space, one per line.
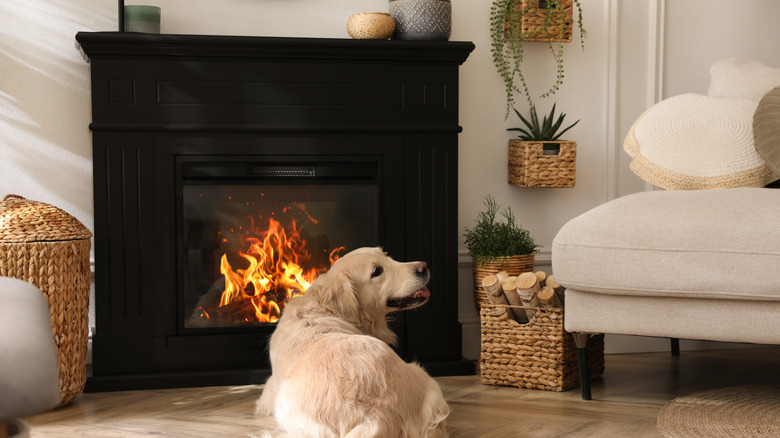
pixel 250 248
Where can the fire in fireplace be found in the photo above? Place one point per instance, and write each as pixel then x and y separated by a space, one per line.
pixel 277 264
pixel 257 235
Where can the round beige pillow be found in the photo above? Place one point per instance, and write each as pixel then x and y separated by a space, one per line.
pixel 691 142
pixel 766 129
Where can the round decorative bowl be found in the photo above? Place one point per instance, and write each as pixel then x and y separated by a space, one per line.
pixel 370 26
pixel 425 20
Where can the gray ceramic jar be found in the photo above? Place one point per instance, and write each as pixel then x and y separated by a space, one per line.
pixel 422 20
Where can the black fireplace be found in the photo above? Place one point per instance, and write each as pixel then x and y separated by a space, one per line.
pixel 230 171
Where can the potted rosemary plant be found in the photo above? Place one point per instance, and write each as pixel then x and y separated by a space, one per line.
pixel 538 158
pixel 514 21
pixel 497 245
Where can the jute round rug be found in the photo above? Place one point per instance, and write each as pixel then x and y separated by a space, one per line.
pixel 748 411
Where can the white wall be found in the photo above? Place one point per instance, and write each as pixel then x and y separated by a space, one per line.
pixel 635 52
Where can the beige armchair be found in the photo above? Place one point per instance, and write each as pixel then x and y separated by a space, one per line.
pixel 701 259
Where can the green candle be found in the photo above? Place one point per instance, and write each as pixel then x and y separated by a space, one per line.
pixel 140 18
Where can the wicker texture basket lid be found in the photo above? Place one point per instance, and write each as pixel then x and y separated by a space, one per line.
pixel 22 220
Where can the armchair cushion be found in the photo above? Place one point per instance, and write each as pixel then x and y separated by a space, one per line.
pixel 722 243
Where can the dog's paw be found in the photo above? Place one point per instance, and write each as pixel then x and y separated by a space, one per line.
pixel 265 404
pixel 262 407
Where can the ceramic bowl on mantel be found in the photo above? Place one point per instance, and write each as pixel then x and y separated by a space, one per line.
pixel 422 20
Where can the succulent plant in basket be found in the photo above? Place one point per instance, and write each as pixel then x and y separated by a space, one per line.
pixel 547 131
pixel 539 158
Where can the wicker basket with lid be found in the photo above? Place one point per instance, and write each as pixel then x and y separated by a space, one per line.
pixel 49 248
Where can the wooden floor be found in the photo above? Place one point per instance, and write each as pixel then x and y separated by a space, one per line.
pixel 625 402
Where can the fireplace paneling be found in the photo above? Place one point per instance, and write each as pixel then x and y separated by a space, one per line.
pixel 161 101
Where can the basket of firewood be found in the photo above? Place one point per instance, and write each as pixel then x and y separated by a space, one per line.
pixel 523 342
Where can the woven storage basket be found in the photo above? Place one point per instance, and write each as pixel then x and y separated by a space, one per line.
pixel 533 25
pixel 529 167
pixel 513 265
pixel 49 248
pixel 536 355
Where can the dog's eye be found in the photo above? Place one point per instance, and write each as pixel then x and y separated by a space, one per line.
pixel 378 270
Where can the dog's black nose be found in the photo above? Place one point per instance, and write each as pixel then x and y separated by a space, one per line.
pixel 422 269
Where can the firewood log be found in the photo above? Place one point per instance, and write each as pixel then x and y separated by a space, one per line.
pixel 508 286
pixel 492 288
pixel 541 276
pixel 547 298
pixel 559 290
pixel 495 294
pixel 527 286
pixel 503 275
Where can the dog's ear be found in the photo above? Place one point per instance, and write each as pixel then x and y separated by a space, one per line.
pixel 338 295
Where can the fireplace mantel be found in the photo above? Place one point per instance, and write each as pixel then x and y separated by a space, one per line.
pixel 385 85
pixel 160 100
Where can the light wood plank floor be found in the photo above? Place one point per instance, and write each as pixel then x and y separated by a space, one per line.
pixel 625 402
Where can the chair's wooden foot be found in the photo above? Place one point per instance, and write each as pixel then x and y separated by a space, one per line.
pixel 581 341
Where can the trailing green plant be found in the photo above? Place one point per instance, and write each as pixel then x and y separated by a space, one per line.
pixel 548 130
pixel 507 37
pixel 492 240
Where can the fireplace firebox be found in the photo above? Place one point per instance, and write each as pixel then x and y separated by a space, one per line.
pixel 256 234
pixel 230 171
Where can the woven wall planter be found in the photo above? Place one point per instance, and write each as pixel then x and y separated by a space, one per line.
pixel 532 24
pixel 529 166
pixel 513 265
pixel 49 248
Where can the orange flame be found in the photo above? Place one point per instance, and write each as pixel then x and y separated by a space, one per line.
pixel 274 274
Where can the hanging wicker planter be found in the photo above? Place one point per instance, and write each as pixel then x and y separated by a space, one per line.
pixel 513 265
pixel 542 163
pixel 540 23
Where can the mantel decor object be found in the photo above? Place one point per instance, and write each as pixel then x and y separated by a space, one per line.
pixel 424 20
pixel 370 26
pixel 141 18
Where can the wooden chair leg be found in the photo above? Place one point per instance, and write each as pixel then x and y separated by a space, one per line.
pixel 675 346
pixel 581 341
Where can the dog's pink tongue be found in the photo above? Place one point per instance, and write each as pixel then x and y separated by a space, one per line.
pixel 422 293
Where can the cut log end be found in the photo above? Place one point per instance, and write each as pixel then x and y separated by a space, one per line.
pixel 541 276
pixel 526 280
pixel 548 298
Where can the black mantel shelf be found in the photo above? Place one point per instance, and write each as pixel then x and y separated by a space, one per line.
pixel 160 102
pixel 376 65
pixel 98 44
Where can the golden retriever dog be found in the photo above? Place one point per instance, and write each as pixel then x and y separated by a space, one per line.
pixel 333 372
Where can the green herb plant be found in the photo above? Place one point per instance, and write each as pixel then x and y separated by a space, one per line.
pixel 493 240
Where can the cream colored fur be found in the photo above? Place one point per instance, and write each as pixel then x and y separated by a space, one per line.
pixel 334 374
